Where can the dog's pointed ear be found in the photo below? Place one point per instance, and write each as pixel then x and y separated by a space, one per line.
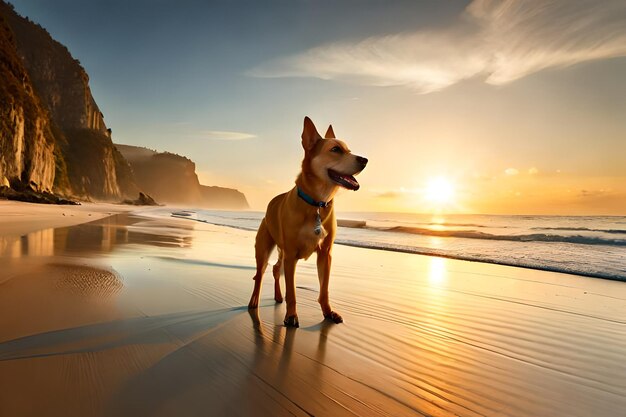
pixel 330 134
pixel 310 136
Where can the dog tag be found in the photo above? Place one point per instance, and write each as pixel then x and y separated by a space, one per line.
pixel 318 223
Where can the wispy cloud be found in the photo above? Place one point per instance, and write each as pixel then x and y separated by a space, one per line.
pixel 595 193
pixel 389 194
pixel 224 135
pixel 511 172
pixel 502 40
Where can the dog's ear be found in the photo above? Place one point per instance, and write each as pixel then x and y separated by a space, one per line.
pixel 330 134
pixel 310 136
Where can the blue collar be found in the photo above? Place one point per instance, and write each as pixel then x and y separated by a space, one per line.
pixel 310 199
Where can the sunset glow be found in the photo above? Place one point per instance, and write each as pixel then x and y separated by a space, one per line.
pixel 449 96
pixel 439 191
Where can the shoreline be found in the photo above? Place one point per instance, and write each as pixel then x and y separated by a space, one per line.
pixel 488 261
pixel 431 253
pixel 19 218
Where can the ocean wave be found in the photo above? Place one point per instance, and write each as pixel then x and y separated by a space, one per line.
pixel 567 269
pixel 251 229
pixel 470 234
pixel 533 237
pixel 442 224
pixel 583 229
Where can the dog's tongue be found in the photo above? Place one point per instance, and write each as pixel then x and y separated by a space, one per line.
pixel 345 180
pixel 350 180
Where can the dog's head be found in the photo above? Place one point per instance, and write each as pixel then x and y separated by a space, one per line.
pixel 329 159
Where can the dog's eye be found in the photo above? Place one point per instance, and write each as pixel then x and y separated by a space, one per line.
pixel 337 149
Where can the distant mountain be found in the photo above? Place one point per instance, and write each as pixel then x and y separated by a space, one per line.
pixel 171 178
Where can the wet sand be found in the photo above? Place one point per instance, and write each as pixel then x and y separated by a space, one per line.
pixel 145 316
pixel 17 218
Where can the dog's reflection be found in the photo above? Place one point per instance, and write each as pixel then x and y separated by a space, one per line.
pixel 276 342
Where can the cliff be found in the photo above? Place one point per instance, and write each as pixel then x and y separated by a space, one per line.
pixel 27 144
pixel 222 198
pixel 53 134
pixel 167 177
pixel 53 138
pixel 172 178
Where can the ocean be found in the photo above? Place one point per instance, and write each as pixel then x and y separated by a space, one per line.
pixel 593 246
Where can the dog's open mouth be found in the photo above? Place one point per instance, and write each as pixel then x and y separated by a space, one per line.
pixel 345 180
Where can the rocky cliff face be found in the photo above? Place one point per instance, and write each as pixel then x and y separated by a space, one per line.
pixel 53 133
pixel 53 137
pixel 223 198
pixel 167 177
pixel 60 80
pixel 172 178
pixel 27 145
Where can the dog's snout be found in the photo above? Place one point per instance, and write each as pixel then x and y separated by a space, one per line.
pixel 361 160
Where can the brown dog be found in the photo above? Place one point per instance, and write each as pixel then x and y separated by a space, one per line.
pixel 302 221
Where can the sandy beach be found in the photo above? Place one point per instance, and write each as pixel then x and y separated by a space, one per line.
pixel 17 218
pixel 140 314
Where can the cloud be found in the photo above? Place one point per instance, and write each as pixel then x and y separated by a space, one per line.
pixel 389 194
pixel 224 135
pixel 502 40
pixel 595 193
pixel 533 171
pixel 511 172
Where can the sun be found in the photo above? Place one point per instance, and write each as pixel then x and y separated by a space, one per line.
pixel 439 190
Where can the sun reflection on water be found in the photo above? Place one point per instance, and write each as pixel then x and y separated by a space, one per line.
pixel 437 271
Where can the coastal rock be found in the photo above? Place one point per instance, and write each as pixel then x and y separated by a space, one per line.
pixel 31 196
pixel 142 200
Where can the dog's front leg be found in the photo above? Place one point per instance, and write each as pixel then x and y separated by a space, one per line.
pixel 289 265
pixel 324 259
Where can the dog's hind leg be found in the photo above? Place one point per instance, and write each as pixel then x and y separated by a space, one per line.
pixel 276 270
pixel 263 248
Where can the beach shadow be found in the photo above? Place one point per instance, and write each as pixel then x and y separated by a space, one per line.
pixel 221 372
pixel 167 328
pixel 204 263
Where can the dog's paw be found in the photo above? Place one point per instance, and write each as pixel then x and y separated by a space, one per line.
pixel 254 303
pixel 334 317
pixel 278 299
pixel 292 321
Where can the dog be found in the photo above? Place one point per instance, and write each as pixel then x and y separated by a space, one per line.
pixel 302 221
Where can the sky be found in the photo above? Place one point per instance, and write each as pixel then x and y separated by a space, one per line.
pixel 483 106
